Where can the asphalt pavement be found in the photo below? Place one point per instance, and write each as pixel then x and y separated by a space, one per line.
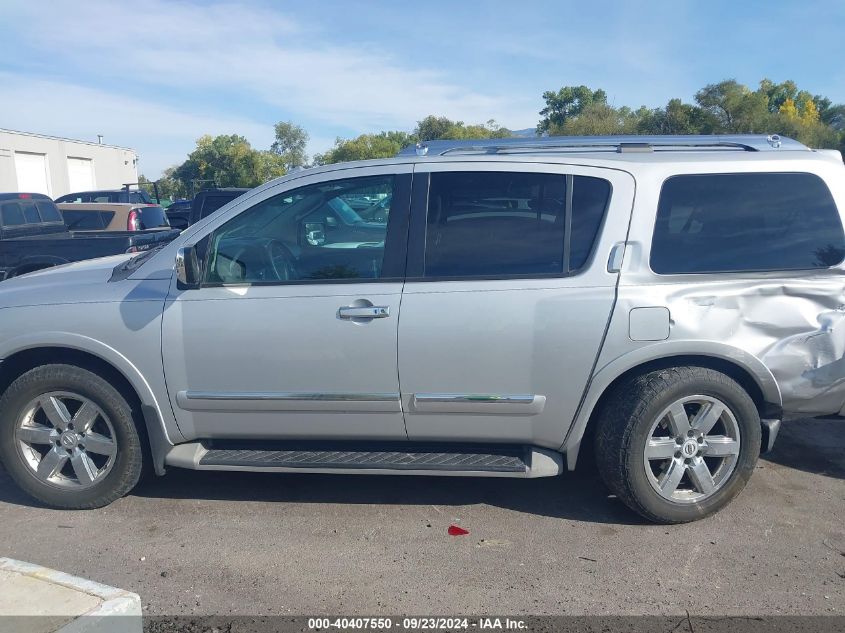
pixel 249 543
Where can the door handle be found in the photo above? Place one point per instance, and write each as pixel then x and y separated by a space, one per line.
pixel 364 312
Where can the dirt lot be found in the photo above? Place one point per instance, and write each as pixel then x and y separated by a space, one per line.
pixel 244 543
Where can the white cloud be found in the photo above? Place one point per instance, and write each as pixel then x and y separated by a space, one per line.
pixel 162 135
pixel 255 51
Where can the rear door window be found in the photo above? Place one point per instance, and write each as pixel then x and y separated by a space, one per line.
pixel 30 213
pixel 500 224
pixel 710 223
pixel 83 220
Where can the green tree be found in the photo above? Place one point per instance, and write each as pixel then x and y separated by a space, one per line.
pixel 228 161
pixel 439 127
pixel 169 188
pixel 598 119
pixel 566 103
pixel 365 146
pixel 734 107
pixel 720 108
pixel 290 143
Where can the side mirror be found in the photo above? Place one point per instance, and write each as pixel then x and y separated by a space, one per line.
pixel 331 222
pixel 187 268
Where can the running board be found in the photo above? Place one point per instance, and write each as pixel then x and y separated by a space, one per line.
pixel 370 458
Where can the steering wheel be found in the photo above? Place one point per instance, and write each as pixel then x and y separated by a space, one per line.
pixel 281 260
pixel 270 261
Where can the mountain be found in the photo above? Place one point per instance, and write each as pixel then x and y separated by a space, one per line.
pixel 529 131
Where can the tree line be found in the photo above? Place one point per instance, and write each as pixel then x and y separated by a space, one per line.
pixel 727 107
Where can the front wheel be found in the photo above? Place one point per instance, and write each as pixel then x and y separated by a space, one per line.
pixel 68 439
pixel 678 444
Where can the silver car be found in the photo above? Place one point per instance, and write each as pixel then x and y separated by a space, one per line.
pixel 664 301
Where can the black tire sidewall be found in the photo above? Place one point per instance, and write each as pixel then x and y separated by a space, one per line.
pixel 127 467
pixel 748 421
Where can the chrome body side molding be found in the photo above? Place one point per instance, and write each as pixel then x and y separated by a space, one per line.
pixel 510 404
pixel 288 401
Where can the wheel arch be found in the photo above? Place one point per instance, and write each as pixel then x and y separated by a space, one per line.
pixel 23 355
pixel 748 370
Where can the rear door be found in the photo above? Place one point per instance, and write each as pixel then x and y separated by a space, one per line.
pixel 507 298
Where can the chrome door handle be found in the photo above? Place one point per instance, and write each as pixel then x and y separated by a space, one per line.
pixel 364 312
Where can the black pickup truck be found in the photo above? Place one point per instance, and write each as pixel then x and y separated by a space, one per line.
pixel 33 235
pixel 204 203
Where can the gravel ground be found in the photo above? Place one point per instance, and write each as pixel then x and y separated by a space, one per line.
pixel 247 543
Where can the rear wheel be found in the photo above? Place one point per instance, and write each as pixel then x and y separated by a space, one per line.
pixel 678 444
pixel 67 437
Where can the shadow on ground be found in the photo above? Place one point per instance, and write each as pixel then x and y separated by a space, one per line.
pixel 815 446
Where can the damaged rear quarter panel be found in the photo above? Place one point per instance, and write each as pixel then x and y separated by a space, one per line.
pixel 786 328
pixel 794 326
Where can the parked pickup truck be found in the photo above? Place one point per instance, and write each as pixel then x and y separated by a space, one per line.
pixel 204 203
pixel 33 236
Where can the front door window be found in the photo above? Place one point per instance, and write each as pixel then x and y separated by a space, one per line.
pixel 329 231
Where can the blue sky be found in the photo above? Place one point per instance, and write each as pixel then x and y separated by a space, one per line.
pixel 156 74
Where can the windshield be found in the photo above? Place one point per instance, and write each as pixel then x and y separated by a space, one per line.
pixel 346 213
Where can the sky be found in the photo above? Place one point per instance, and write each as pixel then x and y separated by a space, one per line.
pixel 155 75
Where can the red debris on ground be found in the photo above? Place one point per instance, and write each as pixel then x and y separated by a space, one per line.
pixel 454 530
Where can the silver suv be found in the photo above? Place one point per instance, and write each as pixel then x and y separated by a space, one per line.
pixel 466 308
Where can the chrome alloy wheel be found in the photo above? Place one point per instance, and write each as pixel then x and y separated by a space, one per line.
pixel 692 449
pixel 66 440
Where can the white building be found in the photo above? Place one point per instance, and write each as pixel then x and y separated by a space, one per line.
pixel 36 163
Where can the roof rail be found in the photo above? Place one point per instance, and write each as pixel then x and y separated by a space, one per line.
pixel 621 143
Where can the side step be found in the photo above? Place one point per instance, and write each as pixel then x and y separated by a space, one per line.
pixel 368 458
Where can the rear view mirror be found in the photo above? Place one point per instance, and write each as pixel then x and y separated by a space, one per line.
pixel 315 233
pixel 187 268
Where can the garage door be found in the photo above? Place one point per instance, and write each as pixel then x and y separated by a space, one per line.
pixel 80 172
pixel 32 173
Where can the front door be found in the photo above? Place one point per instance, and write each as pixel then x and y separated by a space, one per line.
pixel 293 333
pixel 507 297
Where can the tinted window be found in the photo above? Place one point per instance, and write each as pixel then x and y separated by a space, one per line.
pixel 746 222
pixel 49 211
pixel 304 234
pixel 211 203
pixel 83 220
pixel 12 214
pixel 153 217
pixel 30 213
pixel 502 223
pixel 589 203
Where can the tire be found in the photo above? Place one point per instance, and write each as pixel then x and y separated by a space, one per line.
pixel 38 414
pixel 642 414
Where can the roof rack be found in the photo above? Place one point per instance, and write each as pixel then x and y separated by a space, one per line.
pixel 621 144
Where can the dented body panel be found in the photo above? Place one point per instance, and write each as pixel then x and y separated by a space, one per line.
pixel 785 329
